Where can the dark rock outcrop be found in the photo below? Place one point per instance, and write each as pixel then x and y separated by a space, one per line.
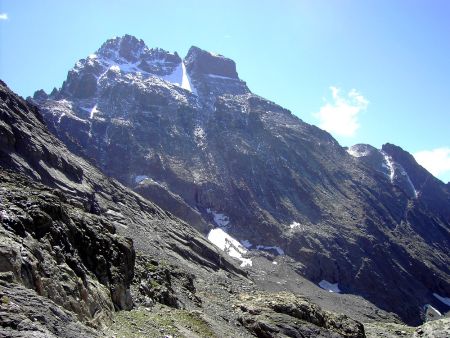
pixel 284 314
pixel 159 282
pixel 200 61
pixel 25 314
pixel 61 251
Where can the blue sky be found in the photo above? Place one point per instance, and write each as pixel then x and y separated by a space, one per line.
pixel 367 71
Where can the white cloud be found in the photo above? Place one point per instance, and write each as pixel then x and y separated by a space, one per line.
pixel 436 161
pixel 3 16
pixel 341 116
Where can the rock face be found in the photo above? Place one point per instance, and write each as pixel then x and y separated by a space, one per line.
pixel 23 313
pixel 377 224
pixel 287 315
pixel 61 251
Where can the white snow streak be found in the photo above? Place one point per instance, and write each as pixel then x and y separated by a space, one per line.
pixel 180 78
pixel 445 300
pixel 390 165
pixel 186 81
pixel 220 77
pixel 93 111
pixel 416 193
pixel 269 248
pixel 330 287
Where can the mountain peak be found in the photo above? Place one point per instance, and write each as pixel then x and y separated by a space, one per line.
pixel 203 73
pixel 127 47
pixel 204 62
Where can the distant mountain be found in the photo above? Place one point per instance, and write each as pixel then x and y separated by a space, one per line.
pixel 189 135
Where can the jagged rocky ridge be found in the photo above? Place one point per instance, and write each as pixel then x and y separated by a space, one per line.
pixel 200 144
pixel 66 267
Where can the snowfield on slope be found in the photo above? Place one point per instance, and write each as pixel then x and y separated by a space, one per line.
pixel 229 245
pixel 330 287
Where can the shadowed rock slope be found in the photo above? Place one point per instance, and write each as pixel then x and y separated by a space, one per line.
pixel 191 136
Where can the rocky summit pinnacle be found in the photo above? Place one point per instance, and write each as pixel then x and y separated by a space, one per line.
pixel 127 47
pixel 255 179
pixel 203 62
pixel 202 73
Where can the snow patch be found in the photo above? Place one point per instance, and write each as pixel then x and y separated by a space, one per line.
pixel 428 306
pixel 60 117
pixel 445 300
pixel 139 178
pixel 294 225
pixel 246 243
pixel 186 80
pixel 274 263
pixel 220 219
pixel 270 248
pixel 229 245
pixel 180 78
pixel 330 287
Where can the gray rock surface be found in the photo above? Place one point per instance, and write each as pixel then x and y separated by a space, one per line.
pixel 62 252
pixel 287 315
pixel 23 313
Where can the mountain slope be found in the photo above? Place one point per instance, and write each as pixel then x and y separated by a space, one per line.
pixel 378 226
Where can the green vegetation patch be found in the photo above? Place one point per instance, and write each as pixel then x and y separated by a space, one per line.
pixel 159 321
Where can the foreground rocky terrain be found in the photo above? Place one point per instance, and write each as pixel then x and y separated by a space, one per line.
pixel 189 135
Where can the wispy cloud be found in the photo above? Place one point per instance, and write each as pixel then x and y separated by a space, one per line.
pixel 3 16
pixel 340 117
pixel 436 161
